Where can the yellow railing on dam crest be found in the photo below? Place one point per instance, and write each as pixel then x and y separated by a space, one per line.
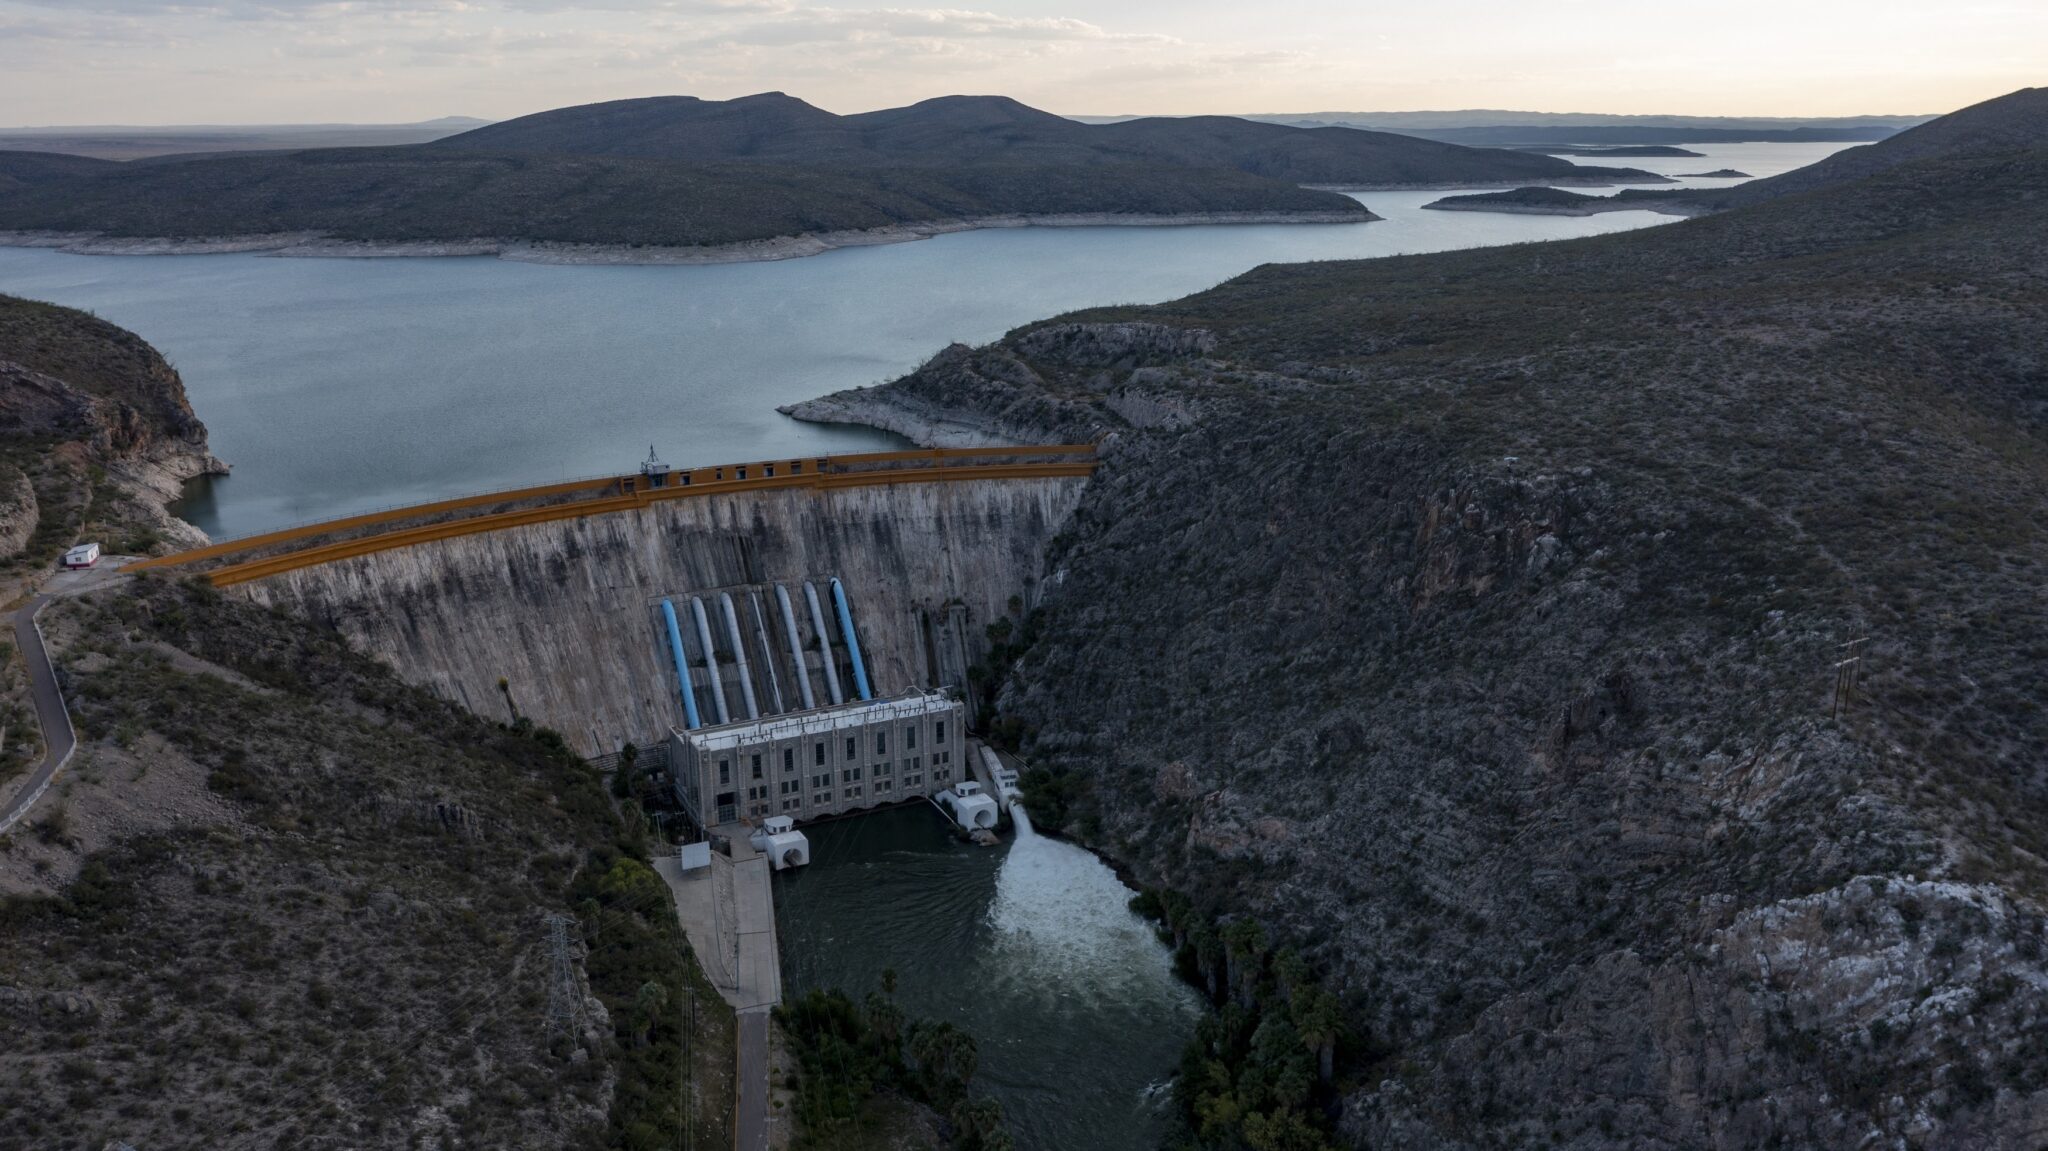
pixel 306 545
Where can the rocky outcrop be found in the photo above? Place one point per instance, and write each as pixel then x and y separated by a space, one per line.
pixel 80 394
pixel 18 511
pixel 966 397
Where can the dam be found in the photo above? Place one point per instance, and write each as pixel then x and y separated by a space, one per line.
pixel 548 603
pixel 797 636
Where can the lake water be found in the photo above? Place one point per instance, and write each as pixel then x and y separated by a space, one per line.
pixel 1029 945
pixel 337 386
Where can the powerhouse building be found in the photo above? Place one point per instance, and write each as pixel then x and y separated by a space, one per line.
pixel 822 761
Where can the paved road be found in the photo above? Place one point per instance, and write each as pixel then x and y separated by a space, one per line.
pixel 751 1132
pixel 728 912
pixel 56 722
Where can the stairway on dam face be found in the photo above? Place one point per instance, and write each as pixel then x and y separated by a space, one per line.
pixel 561 610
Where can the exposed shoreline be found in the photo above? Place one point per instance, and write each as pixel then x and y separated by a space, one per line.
pixel 1484 185
pixel 318 245
pixel 1595 208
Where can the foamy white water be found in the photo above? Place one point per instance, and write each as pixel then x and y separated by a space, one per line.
pixel 1063 926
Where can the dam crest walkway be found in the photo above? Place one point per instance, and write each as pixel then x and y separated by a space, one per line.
pixel 272 553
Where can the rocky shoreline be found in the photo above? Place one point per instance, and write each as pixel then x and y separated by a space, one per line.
pixel 1595 208
pixel 317 245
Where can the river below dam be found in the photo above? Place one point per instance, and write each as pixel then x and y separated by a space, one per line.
pixel 339 386
pixel 1030 946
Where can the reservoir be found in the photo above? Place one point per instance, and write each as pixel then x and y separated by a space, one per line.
pixel 338 386
pixel 1030 946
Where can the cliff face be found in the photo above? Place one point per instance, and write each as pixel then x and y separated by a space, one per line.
pixel 1477 624
pixel 79 395
pixel 566 613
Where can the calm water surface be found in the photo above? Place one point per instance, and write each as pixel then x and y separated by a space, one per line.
pixel 1030 946
pixel 337 386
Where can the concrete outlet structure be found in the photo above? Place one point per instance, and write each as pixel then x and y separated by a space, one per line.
pixel 824 761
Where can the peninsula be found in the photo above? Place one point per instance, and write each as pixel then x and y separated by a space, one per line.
pixel 678 179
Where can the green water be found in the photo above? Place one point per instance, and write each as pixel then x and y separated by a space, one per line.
pixel 1030 946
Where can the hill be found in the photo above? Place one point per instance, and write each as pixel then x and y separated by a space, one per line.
pixel 1506 594
pixel 416 195
pixel 2015 120
pixel 24 169
pixel 679 172
pixel 956 130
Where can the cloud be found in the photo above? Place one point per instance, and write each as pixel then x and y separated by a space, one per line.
pixel 836 25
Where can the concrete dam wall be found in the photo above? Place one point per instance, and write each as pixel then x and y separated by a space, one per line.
pixel 567 613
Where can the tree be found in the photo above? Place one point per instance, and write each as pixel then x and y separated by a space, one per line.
pixel 1244 948
pixel 622 777
pixel 648 1004
pixel 1318 1020
pixel 1292 972
pixel 946 1058
pixel 980 1125
pixel 885 1020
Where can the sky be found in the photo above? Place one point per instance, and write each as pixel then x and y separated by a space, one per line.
pixel 372 61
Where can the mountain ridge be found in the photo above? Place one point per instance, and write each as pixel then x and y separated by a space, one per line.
pixel 1510 589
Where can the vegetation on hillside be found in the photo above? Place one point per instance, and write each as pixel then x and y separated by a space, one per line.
pixel 1509 592
pixel 860 1064
pixel 1556 199
pixel 337 923
pixel 417 194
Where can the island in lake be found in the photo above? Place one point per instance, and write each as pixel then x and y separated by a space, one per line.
pixel 1631 150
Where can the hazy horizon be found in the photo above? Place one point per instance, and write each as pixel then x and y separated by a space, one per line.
pixel 163 63
pixel 1389 113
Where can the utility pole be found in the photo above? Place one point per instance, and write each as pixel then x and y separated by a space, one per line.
pixel 565 1001
pixel 1848 676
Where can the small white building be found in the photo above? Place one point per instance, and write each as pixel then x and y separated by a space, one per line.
pixel 969 806
pixel 83 556
pixel 778 839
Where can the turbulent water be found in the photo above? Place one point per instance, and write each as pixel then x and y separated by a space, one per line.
pixel 1031 946
pixel 336 386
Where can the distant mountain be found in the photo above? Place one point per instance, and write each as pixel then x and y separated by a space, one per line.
pixel 1500 117
pixel 953 130
pixel 2015 121
pixel 677 171
pixel 129 142
pixel 23 169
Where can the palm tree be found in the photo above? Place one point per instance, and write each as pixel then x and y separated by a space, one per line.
pixel 1244 946
pixel 648 1004
pixel 1319 1020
